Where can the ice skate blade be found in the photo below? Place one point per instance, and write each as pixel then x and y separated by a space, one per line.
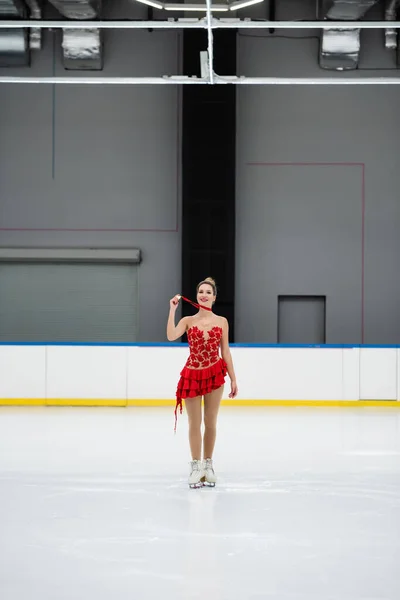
pixel 209 483
pixel 196 486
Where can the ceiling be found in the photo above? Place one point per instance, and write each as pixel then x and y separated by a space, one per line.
pixel 84 49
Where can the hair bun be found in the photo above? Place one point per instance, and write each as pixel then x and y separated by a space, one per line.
pixel 210 279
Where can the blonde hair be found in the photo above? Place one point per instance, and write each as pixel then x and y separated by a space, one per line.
pixel 208 281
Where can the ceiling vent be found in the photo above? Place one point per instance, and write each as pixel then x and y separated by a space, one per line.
pixel 340 48
pixel 14 44
pixel 82 48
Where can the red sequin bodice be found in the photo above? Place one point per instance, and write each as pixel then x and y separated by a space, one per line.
pixel 204 346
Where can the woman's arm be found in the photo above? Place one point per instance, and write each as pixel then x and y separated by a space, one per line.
pixel 175 331
pixel 226 355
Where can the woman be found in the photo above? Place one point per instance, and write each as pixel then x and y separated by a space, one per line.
pixel 203 376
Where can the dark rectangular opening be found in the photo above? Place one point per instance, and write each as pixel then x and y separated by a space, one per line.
pixel 301 319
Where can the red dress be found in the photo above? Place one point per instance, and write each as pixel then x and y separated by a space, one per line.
pixel 204 370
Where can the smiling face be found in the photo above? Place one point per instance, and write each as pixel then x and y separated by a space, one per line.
pixel 205 295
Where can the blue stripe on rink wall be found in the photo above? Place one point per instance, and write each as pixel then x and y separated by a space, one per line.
pixel 181 345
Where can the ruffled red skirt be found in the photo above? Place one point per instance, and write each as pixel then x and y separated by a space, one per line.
pixel 198 382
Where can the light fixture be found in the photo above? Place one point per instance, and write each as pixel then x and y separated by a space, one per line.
pixel 196 7
pixel 243 3
pixel 152 3
pixel 181 6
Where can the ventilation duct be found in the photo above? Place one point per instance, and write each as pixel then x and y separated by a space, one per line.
pixel 82 48
pixel 349 10
pixel 340 48
pixel 12 9
pixel 390 32
pixel 14 46
pixel 76 9
pixel 35 35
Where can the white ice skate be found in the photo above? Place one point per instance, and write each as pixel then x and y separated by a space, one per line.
pixel 197 474
pixel 209 475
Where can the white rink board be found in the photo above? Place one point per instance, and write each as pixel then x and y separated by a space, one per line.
pixel 289 373
pixel 22 371
pixel 398 374
pixel 115 373
pixel 351 373
pixel 86 372
pixel 378 373
pixel 153 372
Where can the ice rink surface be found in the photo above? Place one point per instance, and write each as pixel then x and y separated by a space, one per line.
pixel 94 505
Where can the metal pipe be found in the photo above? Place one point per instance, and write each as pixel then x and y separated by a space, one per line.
pixel 173 79
pixel 197 24
pixel 210 42
pixel 308 80
pixel 224 24
pixel 218 79
pixel 170 24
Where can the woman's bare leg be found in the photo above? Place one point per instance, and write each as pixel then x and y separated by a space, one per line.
pixel 212 403
pixel 193 409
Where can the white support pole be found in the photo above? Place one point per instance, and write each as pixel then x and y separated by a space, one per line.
pixel 224 23
pixel 340 80
pixel 217 79
pixel 167 80
pixel 210 49
pixel 184 23
pixel 169 24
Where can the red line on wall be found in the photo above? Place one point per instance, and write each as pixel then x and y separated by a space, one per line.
pixel 362 251
pixel 179 55
pixel 305 164
pixel 336 164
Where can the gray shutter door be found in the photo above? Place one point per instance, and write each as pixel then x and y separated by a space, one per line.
pixel 48 302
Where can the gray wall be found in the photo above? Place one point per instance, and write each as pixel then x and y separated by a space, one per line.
pixel 98 165
pixel 78 165
pixel 299 227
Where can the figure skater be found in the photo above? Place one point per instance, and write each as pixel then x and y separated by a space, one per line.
pixel 202 376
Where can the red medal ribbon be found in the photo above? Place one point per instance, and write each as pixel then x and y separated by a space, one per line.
pixel 195 304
